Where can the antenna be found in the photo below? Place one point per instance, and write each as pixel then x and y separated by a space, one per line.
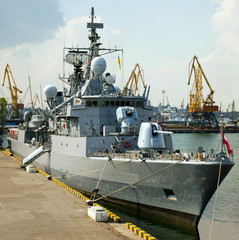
pixel 163 93
pixel 30 90
pixel 41 98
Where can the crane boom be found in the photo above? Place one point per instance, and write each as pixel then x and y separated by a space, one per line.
pixel 35 99
pixel 200 110
pixel 13 89
pixel 197 103
pixel 133 82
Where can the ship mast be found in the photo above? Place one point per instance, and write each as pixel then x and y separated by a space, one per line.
pixel 83 56
pixel 93 37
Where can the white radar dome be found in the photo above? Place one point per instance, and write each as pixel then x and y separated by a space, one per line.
pixel 110 80
pixel 117 89
pixel 98 65
pixel 50 91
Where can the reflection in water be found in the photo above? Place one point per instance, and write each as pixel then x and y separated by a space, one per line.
pixel 159 227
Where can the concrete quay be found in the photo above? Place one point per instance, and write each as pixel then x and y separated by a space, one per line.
pixel 32 207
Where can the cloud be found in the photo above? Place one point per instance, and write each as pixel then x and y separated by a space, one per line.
pixel 171 77
pixel 74 32
pixel 41 58
pixel 221 65
pixel 226 23
pixel 115 31
pixel 43 61
pixel 222 73
pixel 27 21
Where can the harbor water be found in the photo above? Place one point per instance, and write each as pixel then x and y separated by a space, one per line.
pixel 227 207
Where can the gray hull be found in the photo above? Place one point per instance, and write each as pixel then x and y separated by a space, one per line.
pixel 182 191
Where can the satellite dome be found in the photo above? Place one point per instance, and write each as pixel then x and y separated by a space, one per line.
pixel 98 65
pixel 110 80
pixel 50 91
pixel 117 89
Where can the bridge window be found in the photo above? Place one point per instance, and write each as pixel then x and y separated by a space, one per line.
pixel 139 104
pixel 88 103
pixel 94 103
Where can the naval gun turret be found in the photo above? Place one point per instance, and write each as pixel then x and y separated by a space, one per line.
pixel 151 137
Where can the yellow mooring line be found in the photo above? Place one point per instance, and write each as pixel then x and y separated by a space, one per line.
pixel 133 228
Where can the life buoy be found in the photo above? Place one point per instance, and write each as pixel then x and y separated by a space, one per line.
pixel 126 144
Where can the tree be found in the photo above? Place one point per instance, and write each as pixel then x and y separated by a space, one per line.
pixel 3 112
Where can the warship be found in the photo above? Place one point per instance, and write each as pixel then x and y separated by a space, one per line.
pixel 100 140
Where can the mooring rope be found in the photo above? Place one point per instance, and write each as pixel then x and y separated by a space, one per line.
pixel 98 183
pixel 93 171
pixel 138 181
pixel 215 200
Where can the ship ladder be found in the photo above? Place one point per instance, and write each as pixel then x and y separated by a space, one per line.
pixel 33 156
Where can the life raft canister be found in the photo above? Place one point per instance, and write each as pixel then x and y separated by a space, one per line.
pixel 126 144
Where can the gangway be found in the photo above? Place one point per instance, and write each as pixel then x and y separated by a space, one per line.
pixel 34 155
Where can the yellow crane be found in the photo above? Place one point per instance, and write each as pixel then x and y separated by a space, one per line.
pixel 35 99
pixel 13 90
pixel 132 85
pixel 199 107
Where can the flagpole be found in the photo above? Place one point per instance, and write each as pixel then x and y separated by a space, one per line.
pixel 221 131
pixel 224 141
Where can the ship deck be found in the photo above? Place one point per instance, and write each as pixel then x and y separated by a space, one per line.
pixel 137 155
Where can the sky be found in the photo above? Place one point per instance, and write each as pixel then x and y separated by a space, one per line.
pixel 161 36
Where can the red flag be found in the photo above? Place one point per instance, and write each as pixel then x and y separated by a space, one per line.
pixel 224 141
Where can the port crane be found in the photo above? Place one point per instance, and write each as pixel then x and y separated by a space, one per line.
pixel 13 90
pixel 132 85
pixel 200 111
pixel 35 100
pixel 233 111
